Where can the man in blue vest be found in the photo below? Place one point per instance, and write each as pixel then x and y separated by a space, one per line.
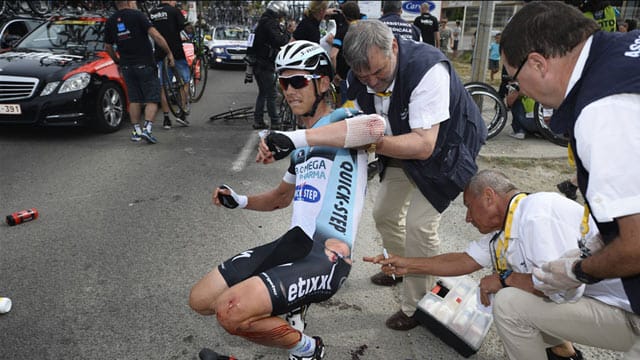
pixel 428 152
pixel 392 17
pixel 592 79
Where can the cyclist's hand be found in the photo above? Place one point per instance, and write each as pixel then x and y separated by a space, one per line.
pixel 171 60
pixel 225 196
pixel 264 154
pixel 279 144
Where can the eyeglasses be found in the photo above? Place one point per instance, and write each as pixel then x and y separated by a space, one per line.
pixel 297 81
pixel 514 85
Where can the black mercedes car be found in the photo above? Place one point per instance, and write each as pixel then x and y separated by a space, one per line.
pixel 60 75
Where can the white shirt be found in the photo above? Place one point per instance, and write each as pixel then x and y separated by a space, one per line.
pixel 544 226
pixel 607 135
pixel 429 102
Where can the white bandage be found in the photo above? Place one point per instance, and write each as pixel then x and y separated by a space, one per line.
pixel 364 130
pixel 298 137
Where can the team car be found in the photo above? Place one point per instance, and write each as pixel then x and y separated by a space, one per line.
pixel 228 45
pixel 59 74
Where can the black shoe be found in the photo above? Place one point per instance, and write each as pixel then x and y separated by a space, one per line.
pixel 373 169
pixel 260 126
pixel 383 279
pixel 576 356
pixel 182 120
pixel 166 124
pixel 568 189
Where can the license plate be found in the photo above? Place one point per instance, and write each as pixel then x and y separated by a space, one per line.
pixel 236 57
pixel 10 109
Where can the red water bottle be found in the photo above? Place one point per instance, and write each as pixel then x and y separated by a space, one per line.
pixel 19 217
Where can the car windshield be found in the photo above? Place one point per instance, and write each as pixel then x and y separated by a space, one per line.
pixel 231 34
pixel 67 34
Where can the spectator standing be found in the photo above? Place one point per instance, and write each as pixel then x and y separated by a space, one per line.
pixel 456 34
pixel 521 232
pixel 391 16
pixel 309 27
pixel 129 30
pixel 628 25
pixel 169 21
pixel 428 25
pixel 599 10
pixel 350 12
pixel 187 34
pixel 269 37
pixel 248 291
pixel 592 80
pixel 445 37
pixel 494 56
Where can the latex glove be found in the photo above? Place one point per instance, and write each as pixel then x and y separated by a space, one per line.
pixel 557 275
pixel 568 296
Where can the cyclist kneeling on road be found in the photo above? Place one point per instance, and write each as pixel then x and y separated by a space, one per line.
pixel 326 185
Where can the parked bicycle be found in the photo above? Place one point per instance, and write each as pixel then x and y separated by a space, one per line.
pixel 199 68
pixel 173 86
pixel 495 113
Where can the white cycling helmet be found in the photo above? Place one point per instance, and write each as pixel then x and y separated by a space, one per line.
pixel 304 55
pixel 279 7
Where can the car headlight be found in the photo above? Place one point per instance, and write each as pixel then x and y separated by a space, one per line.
pixel 49 88
pixel 218 50
pixel 76 82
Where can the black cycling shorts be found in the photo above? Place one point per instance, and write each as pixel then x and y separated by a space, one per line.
pixel 294 268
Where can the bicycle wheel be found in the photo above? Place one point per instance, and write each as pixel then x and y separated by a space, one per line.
pixel 544 129
pixel 172 84
pixel 198 80
pixel 492 109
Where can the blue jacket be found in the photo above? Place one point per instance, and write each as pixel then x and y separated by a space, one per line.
pixel 444 175
pixel 613 67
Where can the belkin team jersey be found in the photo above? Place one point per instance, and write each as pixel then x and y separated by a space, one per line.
pixel 330 190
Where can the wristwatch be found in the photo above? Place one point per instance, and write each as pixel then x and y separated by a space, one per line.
pixel 582 276
pixel 503 277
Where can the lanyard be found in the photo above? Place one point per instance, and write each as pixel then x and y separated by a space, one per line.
pixel 584 230
pixel 503 242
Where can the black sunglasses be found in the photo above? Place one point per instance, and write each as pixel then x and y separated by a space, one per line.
pixel 297 81
pixel 515 85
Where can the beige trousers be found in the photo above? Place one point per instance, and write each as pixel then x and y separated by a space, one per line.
pixel 408 224
pixel 527 324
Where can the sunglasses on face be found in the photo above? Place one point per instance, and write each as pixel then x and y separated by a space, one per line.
pixel 297 81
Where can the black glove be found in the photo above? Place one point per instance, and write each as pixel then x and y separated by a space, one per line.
pixel 248 78
pixel 232 200
pixel 279 144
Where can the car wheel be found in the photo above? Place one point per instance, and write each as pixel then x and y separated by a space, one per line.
pixel 110 108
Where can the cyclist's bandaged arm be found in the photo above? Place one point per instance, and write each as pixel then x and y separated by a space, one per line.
pixel 352 132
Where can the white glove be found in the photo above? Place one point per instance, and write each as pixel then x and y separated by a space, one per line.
pixel 569 296
pixel 557 275
pixel 232 200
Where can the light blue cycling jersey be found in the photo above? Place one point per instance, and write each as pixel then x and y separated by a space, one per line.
pixel 330 188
